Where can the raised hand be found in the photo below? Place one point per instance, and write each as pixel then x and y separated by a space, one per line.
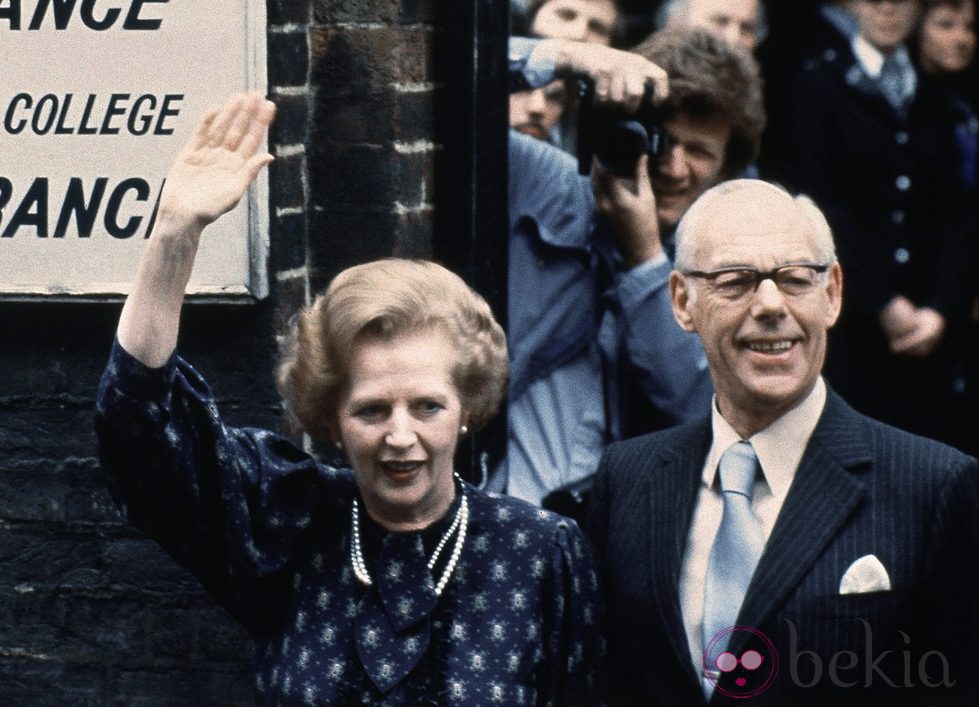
pixel 620 77
pixel 207 179
pixel 215 167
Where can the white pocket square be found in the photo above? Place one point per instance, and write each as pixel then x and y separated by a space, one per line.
pixel 865 575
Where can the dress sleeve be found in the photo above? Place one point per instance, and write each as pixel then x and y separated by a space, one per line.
pixel 574 639
pixel 229 504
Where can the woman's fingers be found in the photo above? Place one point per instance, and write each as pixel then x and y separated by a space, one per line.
pixel 200 136
pixel 257 127
pixel 254 166
pixel 238 126
pixel 219 126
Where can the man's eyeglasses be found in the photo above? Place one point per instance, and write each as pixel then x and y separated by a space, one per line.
pixel 794 279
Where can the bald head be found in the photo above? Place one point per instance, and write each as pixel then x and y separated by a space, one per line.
pixel 740 22
pixel 749 206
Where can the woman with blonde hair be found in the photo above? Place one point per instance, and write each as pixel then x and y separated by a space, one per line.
pixel 394 581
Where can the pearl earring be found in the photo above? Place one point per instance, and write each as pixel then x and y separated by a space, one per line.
pixel 339 445
pixel 463 430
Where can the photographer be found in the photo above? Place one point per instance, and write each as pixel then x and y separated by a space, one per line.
pixel 549 112
pixel 595 352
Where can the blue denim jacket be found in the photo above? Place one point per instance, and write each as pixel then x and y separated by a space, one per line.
pixel 570 300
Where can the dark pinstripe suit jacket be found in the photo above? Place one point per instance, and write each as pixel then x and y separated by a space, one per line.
pixel 861 488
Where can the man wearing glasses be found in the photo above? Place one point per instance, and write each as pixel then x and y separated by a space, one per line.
pixel 595 353
pixel 786 548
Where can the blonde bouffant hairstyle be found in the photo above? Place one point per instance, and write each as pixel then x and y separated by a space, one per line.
pixel 380 301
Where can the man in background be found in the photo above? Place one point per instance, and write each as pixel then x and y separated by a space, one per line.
pixel 595 353
pixel 547 112
pixel 579 20
pixel 740 22
pixel 872 142
pixel 538 111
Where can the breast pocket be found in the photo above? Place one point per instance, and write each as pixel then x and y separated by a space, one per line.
pixel 868 605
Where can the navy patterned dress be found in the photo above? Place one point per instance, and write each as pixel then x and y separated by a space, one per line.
pixel 267 530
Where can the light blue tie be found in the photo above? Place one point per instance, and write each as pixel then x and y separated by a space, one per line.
pixel 893 82
pixel 734 555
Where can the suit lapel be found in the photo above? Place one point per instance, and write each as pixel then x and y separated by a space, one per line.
pixel 671 493
pixel 822 497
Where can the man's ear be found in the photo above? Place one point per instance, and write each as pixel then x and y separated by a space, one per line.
pixel 834 293
pixel 681 299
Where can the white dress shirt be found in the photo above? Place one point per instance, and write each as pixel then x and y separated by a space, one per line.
pixel 779 448
pixel 871 60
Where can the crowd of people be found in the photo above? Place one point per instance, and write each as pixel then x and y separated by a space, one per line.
pixel 872 113
pixel 684 341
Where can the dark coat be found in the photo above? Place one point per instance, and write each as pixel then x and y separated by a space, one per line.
pixel 861 488
pixel 888 182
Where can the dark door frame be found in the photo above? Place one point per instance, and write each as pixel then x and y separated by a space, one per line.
pixel 471 224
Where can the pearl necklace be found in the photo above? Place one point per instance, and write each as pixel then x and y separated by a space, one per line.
pixel 461 521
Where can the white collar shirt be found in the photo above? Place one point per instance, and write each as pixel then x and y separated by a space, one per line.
pixel 870 58
pixel 779 448
pixel 901 82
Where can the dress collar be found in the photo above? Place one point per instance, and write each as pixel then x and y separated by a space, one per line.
pixel 393 627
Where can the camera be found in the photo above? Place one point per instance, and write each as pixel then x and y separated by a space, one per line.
pixel 615 140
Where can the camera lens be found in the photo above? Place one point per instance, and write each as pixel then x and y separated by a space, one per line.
pixel 619 146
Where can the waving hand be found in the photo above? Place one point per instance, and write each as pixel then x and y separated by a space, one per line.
pixel 207 178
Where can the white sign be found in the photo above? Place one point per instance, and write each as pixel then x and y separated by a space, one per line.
pixel 96 97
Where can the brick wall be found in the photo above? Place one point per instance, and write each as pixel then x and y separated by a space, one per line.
pixel 91 612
